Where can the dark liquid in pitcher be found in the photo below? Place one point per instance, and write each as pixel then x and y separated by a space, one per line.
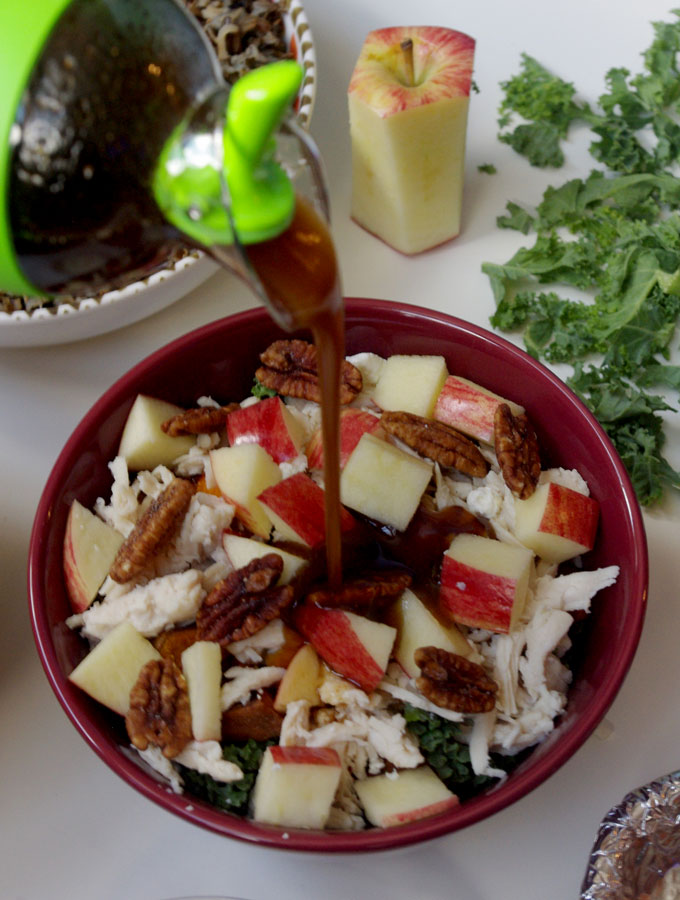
pixel 80 208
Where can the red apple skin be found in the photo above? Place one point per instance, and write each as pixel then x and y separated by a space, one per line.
pixel 74 585
pixel 353 423
pixel 300 502
pixel 311 756
pixel 570 514
pixel 423 812
pixel 453 51
pixel 486 602
pixel 330 633
pixel 263 423
pixel 463 407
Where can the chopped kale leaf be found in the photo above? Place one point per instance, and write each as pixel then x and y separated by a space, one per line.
pixel 235 795
pixel 614 235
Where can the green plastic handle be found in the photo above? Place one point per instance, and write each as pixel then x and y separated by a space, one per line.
pixel 261 199
pixel 22 37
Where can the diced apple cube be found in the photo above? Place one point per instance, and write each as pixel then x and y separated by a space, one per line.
pixel 267 423
pixel 241 473
pixel 556 522
pixel 242 550
pixel 383 482
pixel 296 507
pixel 109 671
pixel 143 443
pixel 90 546
pixel 410 383
pixel 353 423
pixel 470 408
pixel 295 786
pixel 202 668
pixel 484 582
pixel 418 627
pixel 301 679
pixel 412 794
pixel 353 646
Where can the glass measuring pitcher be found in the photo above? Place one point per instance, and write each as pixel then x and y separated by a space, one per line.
pixel 110 110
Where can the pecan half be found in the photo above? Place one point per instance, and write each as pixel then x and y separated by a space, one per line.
pixel 517 451
pixel 436 441
pixel 377 589
pixel 244 602
pixel 202 420
pixel 155 529
pixel 159 711
pixel 454 682
pixel 290 368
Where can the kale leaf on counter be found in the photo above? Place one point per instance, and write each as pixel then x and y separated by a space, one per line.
pixel 614 235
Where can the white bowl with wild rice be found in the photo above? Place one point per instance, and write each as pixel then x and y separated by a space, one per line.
pixel 241 42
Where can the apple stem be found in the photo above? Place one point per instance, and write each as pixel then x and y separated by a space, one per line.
pixel 407 50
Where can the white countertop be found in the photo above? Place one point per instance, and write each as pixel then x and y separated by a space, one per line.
pixel 71 829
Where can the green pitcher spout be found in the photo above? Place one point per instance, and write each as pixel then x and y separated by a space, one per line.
pixel 218 174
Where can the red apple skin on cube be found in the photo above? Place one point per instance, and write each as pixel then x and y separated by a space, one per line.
pixel 404 796
pixel 296 507
pixel 557 523
pixel 333 634
pixel 315 756
pixel 470 408
pixel 496 593
pixel 353 423
pixel 486 588
pixel 269 424
pixel 90 546
pixel 295 786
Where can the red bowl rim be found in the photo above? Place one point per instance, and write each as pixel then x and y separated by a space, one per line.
pixel 474 810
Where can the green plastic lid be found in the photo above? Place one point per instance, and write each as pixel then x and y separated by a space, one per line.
pixel 259 195
pixel 22 37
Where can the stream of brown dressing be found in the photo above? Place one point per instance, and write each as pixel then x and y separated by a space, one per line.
pixel 299 272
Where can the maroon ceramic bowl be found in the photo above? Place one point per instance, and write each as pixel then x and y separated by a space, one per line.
pixel 219 359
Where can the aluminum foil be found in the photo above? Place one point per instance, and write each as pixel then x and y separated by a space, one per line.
pixel 637 843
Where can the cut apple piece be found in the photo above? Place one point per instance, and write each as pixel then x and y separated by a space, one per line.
pixel 241 473
pixel 353 646
pixel 353 423
pixel 556 522
pixel 295 786
pixel 418 627
pixel 143 443
pixel 408 124
pixel 241 550
pixel 90 546
pixel 383 482
pixel 409 795
pixel 410 383
pixel 202 668
pixel 484 582
pixel 109 671
pixel 296 507
pixel 267 423
pixel 301 679
pixel 470 408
